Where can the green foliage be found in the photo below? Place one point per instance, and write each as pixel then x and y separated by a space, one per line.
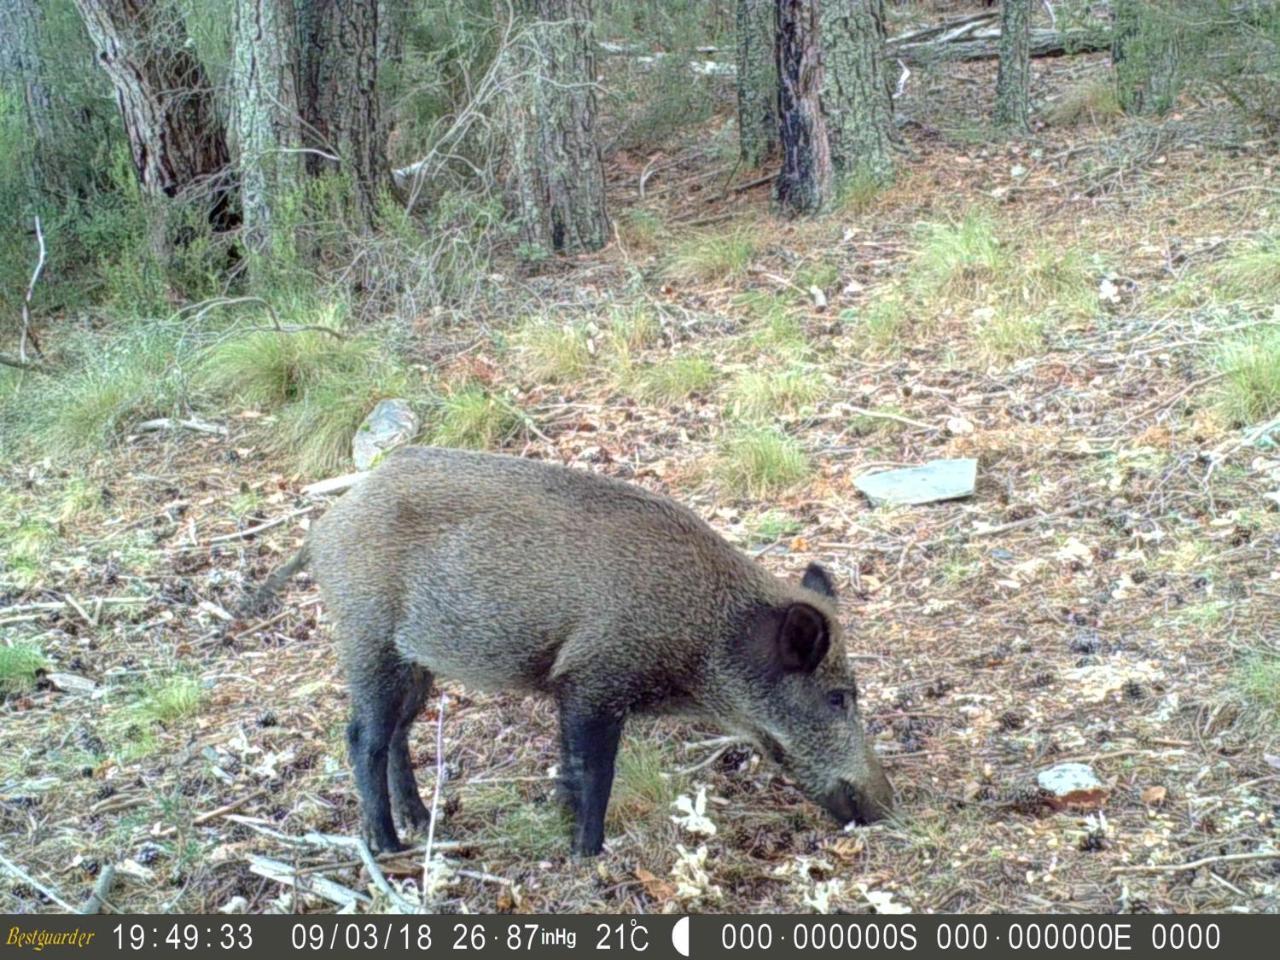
pixel 1006 336
pixel 707 257
pixel 550 352
pixel 858 192
pixel 1250 390
pixel 761 462
pixel 674 380
pixel 477 419
pixel 955 258
pixel 113 382
pixel 1252 271
pixel 1257 679
pixel 18 666
pixel 1094 101
pixel 321 388
pixel 761 394
pixel 643 789
pixel 171 700
pixel 771 526
pixel 877 329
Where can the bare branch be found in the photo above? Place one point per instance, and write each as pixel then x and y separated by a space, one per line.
pixel 27 332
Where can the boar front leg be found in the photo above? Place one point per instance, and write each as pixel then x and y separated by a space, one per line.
pixel 589 737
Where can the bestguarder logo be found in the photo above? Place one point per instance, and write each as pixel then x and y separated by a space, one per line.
pixel 38 939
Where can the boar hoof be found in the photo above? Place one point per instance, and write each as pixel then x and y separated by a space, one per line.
pixel 413 816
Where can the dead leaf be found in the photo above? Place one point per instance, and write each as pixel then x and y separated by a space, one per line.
pixel 656 888
pixel 1154 796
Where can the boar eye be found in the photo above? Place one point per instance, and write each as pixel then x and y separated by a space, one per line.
pixel 840 700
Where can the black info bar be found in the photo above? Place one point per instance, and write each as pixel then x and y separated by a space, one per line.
pixel 658 937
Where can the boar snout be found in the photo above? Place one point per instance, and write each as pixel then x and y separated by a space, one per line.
pixel 848 802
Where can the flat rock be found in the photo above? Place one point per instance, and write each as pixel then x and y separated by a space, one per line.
pixel 391 424
pixel 72 683
pixel 1072 785
pixel 928 483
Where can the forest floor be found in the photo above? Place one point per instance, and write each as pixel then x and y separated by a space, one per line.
pixel 1109 595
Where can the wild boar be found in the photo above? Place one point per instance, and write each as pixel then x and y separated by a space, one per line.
pixel 513 574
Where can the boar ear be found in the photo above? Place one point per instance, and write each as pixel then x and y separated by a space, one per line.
pixel 803 638
pixel 817 579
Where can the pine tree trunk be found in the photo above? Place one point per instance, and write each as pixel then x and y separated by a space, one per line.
pixel 757 82
pixel 341 111
pixel 805 184
pixel 177 138
pixel 856 98
pixel 265 110
pixel 21 71
pixel 559 179
pixel 1013 77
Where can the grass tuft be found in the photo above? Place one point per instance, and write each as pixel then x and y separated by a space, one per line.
pixel 761 394
pixel 1250 390
pixel 710 257
pixel 172 699
pixel 1252 272
pixel 1093 101
pixel 957 258
pixel 551 352
pixel 761 462
pixel 18 666
pixel 474 418
pixel 878 328
pixel 643 789
pixel 1006 336
pixel 1257 679
pixel 674 380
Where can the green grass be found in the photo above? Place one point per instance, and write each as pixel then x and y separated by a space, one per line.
pixel 761 462
pixel 778 331
pixel 956 259
pixel 476 419
pixel 879 328
pixel 78 498
pixel 1093 100
pixel 643 786
pixel 1007 337
pixel 1250 389
pixel 25 546
pixel 18 666
pixel 1056 281
pixel 170 700
pixel 113 381
pixel 772 525
pixel 1251 272
pixel 674 380
pixel 320 387
pixel 507 818
pixel 858 193
pixel 1257 680
pixel 634 329
pixel 762 394
pixel 641 230
pixel 710 257
pixel 549 352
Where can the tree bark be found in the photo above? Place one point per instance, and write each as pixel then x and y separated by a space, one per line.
pixel 805 183
pixel 21 70
pixel 757 82
pixel 857 101
pixel 177 139
pixel 341 110
pixel 559 179
pixel 1013 76
pixel 265 110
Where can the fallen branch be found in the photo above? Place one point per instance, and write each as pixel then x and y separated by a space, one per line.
pixel 172 423
pixel 27 332
pixel 1197 864
pixel 1044 43
pixel 250 531
pixel 98 896
pixel 59 605
pixel 882 415
pixel 332 485
pixel 320 886
pixel 435 805
pixel 31 881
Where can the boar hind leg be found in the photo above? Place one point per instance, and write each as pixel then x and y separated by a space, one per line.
pixel 588 745
pixel 406 802
pixel 381 683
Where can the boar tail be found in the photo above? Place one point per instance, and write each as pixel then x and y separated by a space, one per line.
pixel 261 598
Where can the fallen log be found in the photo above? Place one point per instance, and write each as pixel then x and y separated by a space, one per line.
pixel 986 46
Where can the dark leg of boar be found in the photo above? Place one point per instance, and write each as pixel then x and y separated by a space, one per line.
pixel 385 696
pixel 406 801
pixel 588 747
